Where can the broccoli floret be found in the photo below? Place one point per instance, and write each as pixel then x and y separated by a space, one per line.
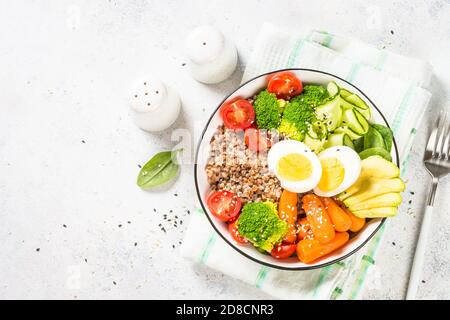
pixel 260 224
pixel 299 112
pixel 267 110
pixel 312 96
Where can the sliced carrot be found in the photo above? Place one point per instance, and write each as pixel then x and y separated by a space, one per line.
pixel 357 222
pixel 339 217
pixel 309 250
pixel 287 211
pixel 318 218
pixel 304 230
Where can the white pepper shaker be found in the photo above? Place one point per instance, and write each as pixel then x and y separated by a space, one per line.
pixel 154 105
pixel 213 57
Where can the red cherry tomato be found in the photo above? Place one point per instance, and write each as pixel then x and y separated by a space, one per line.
pixel 283 251
pixel 237 114
pixel 257 140
pixel 224 205
pixel 285 85
pixel 232 228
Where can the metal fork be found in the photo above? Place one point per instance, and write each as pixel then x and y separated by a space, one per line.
pixel 437 162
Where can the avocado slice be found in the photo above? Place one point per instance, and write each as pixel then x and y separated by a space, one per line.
pixel 375 151
pixel 374 167
pixel 392 199
pixel 382 212
pixel 344 129
pixel 374 187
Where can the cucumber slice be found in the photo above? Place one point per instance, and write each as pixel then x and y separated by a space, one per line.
pixel 348 142
pixel 344 93
pixel 375 152
pixel 362 121
pixel 373 139
pixel 357 101
pixel 316 145
pixel 345 105
pixel 339 139
pixel 332 89
pixel 335 139
pixel 330 113
pixel 318 130
pixel 345 129
pixel 365 112
pixel 355 121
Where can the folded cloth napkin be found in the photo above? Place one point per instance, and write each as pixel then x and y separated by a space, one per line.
pixel 396 84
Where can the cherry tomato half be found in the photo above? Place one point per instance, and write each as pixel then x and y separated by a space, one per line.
pixel 283 251
pixel 285 85
pixel 237 114
pixel 232 228
pixel 224 205
pixel 257 140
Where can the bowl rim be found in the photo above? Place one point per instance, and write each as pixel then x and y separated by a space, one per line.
pixel 267 264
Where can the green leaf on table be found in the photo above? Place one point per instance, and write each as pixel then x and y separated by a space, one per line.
pixel 160 169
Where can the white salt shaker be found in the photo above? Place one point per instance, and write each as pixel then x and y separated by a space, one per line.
pixel 154 105
pixel 213 57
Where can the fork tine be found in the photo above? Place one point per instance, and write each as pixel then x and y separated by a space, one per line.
pixel 431 144
pixel 441 136
pixel 446 146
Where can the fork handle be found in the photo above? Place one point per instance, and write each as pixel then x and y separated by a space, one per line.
pixel 419 255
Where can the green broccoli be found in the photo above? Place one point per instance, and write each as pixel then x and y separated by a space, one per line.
pixel 267 110
pixel 299 112
pixel 260 224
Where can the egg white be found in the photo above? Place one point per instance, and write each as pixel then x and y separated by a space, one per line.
pixel 351 162
pixel 286 147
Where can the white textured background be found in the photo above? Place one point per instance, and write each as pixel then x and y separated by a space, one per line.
pixel 73 225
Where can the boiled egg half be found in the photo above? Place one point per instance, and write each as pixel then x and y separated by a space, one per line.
pixel 296 166
pixel 341 167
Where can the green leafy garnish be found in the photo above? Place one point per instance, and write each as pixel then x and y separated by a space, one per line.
pixel 160 169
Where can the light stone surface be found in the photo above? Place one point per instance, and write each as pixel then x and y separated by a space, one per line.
pixel 69 152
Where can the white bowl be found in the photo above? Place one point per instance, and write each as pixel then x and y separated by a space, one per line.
pixel 246 90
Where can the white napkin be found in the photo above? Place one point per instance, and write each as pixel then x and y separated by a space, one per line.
pixel 396 84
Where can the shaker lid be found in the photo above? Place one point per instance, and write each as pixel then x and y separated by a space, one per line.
pixel 147 94
pixel 204 44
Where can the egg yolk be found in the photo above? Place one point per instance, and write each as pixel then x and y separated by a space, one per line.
pixel 294 167
pixel 332 174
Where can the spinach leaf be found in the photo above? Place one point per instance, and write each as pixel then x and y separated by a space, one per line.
pixel 359 144
pixel 161 168
pixel 373 139
pixel 387 135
